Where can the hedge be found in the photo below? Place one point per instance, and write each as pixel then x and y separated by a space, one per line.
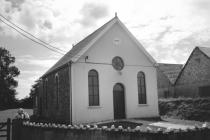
pixel 186 108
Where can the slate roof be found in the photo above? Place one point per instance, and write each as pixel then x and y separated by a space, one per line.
pixel 78 47
pixel 170 70
pixel 205 50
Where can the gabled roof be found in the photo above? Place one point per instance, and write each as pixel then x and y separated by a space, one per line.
pixel 80 48
pixel 171 71
pixel 204 50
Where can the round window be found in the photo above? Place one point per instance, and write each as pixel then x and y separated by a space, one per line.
pixel 117 63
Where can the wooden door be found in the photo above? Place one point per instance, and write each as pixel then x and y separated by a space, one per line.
pixel 119 101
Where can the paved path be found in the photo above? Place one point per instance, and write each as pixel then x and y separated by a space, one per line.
pixel 168 125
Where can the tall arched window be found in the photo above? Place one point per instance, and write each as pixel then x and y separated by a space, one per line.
pixel 46 92
pixel 141 88
pixel 57 89
pixel 93 86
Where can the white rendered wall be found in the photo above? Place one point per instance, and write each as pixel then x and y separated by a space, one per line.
pixel 102 52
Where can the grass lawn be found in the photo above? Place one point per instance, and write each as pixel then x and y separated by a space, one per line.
pixel 10 113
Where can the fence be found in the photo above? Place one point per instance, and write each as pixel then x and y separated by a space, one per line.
pixel 5 128
pixel 40 131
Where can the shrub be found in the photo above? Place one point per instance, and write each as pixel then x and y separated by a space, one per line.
pixel 186 108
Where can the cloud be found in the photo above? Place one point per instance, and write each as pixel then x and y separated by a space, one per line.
pixel 92 12
pixel 47 24
pixel 28 19
pixel 1 29
pixel 38 62
pixel 41 62
pixel 139 26
pixel 163 33
pixel 34 72
pixel 166 17
pixel 16 3
pixel 23 88
pixel 202 5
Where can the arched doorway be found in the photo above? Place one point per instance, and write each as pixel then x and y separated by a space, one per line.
pixel 119 101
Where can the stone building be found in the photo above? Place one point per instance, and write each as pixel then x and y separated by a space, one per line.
pixel 194 79
pixel 166 77
pixel 107 75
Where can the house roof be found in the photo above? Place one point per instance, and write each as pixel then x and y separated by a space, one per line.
pixel 170 70
pixel 205 50
pixel 79 49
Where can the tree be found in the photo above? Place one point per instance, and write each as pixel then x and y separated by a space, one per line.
pixel 27 102
pixel 7 82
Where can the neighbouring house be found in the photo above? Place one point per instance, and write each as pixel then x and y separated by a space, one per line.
pixel 194 79
pixel 108 75
pixel 166 76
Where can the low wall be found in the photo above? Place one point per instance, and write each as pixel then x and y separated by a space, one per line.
pixel 33 131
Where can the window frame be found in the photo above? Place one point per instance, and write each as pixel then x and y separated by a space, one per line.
pixel 93 85
pixel 141 86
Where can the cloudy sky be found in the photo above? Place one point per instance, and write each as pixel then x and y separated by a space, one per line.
pixel 168 29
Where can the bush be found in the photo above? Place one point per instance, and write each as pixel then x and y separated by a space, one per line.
pixel 186 108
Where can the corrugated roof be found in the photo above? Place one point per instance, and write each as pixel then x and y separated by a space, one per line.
pixel 78 47
pixel 205 50
pixel 170 70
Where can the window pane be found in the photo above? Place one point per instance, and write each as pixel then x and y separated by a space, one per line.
pixel 143 98
pixel 142 90
pixel 90 100
pixel 139 99
pixel 89 80
pixel 95 90
pixel 91 92
pixel 95 80
pixel 142 81
pixel 96 100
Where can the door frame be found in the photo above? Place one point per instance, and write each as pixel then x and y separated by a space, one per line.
pixel 125 110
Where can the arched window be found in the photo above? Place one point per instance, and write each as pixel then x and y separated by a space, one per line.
pixel 46 92
pixel 93 86
pixel 141 88
pixel 57 89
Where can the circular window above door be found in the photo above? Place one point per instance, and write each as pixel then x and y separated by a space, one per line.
pixel 117 63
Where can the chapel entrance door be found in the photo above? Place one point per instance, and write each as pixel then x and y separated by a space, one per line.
pixel 119 101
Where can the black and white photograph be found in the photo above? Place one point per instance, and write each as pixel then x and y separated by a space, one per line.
pixel 104 69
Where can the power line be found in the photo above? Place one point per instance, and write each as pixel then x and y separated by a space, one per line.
pixel 30 38
pixel 35 37
pixel 30 33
